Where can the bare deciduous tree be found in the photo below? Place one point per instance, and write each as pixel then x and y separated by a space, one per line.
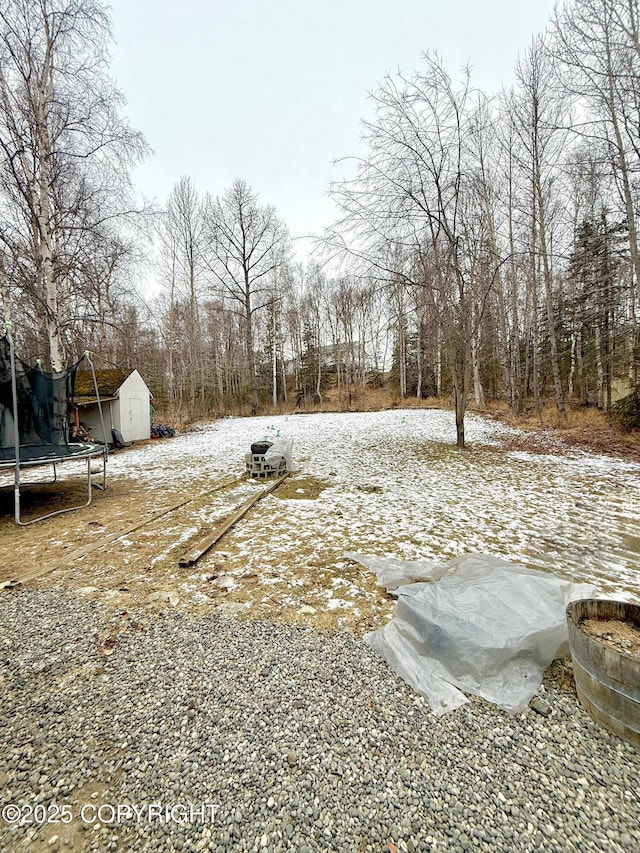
pixel 181 269
pixel 65 151
pixel 412 192
pixel 246 244
pixel 539 121
pixel 597 44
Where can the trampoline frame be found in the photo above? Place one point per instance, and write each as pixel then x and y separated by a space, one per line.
pixel 55 456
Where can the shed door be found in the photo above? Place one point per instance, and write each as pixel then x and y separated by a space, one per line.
pixel 136 428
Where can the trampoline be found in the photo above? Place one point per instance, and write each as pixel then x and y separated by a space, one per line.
pixel 37 418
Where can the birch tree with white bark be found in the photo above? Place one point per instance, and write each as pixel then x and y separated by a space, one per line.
pixel 65 153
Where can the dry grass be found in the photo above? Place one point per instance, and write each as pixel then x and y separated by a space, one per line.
pixel 300 488
pixel 360 400
pixel 372 400
pixel 582 426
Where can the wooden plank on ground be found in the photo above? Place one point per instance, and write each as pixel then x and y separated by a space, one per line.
pixel 209 541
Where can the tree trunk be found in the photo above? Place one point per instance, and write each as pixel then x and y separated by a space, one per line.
pixel 599 368
pixel 251 362
pixel 438 366
pixel 535 356
pixel 478 390
pixel 553 341
pixel 402 359
pixel 533 307
pixel 517 391
pixel 419 356
pixel 274 360
pixel 459 399
pixel 584 391
pixel 45 241
pixel 283 374
pixel 459 364
pixel 319 377
pixel 572 366
pixel 5 305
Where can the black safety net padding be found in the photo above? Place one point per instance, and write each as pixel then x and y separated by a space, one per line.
pixel 5 375
pixel 43 402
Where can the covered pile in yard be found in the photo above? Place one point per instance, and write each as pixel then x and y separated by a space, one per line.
pixel 485 626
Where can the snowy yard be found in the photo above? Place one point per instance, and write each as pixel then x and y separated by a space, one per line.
pixel 397 486
pixel 388 483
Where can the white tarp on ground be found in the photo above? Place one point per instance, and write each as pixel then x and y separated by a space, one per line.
pixel 480 625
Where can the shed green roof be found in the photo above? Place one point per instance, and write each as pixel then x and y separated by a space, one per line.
pixel 109 381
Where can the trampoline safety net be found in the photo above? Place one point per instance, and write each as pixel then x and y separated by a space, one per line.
pixel 35 409
pixel 43 405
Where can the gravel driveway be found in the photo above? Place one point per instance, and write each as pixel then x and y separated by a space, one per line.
pixel 231 735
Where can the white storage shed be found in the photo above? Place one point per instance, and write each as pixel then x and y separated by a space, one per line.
pixel 125 401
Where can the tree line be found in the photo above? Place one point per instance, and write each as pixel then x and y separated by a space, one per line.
pixel 487 245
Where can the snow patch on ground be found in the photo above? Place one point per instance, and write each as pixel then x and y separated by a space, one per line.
pixel 397 486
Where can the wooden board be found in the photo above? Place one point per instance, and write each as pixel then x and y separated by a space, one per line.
pixel 209 541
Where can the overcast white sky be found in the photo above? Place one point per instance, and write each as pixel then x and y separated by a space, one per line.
pixel 273 91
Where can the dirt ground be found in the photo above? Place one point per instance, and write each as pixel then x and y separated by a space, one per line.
pixel 53 542
pixel 95 552
pixel 621 635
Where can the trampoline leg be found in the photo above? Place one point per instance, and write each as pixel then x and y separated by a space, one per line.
pixel 59 511
pixel 103 486
pixel 16 503
pixel 88 481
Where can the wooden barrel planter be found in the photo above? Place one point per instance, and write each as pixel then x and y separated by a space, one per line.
pixel 607 675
